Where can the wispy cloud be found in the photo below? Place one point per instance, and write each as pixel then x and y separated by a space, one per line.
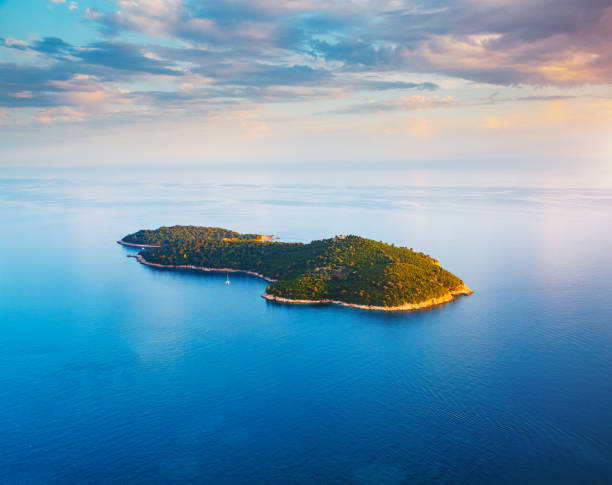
pixel 403 103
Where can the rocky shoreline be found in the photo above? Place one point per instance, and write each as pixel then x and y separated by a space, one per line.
pixel 199 268
pixel 132 245
pixel 464 290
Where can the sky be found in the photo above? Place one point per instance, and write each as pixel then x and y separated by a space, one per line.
pixel 516 90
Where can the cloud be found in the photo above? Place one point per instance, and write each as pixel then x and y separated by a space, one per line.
pixel 111 60
pixel 14 43
pixel 57 115
pixel 210 75
pixel 75 76
pixel 126 57
pixel 403 103
pixel 271 75
pixel 519 42
pixel 195 57
pixel 503 42
pixel 378 85
pixel 53 46
pixel 358 54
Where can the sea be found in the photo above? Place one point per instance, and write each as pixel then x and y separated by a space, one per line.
pixel 114 372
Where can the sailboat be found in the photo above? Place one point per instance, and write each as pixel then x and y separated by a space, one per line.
pixel 227 281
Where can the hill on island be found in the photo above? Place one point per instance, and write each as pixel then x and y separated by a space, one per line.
pixel 344 269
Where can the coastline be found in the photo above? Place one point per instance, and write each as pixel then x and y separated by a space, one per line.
pixel 133 245
pixel 464 290
pixel 142 260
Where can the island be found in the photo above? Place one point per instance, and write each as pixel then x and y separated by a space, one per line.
pixel 344 270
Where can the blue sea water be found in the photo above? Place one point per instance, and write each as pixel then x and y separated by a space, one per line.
pixel 113 372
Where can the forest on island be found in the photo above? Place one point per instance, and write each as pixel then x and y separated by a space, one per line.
pixel 346 268
pixel 174 234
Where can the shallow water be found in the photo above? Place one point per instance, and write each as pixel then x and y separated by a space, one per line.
pixel 111 371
